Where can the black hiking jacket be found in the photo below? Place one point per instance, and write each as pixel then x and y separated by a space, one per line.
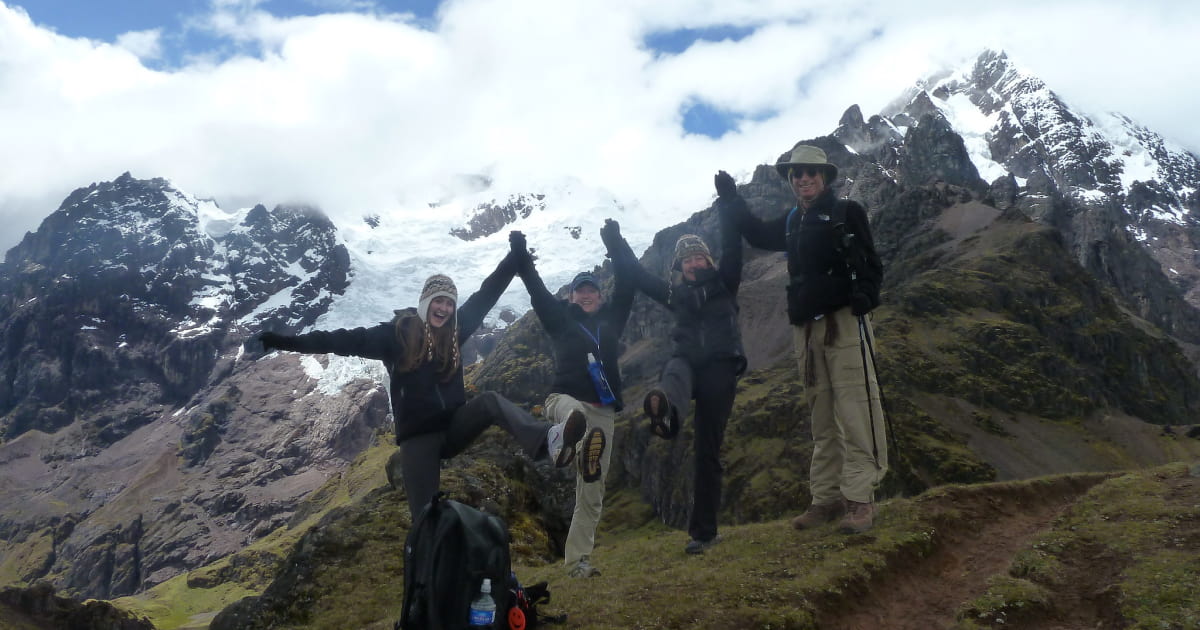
pixel 573 334
pixel 421 401
pixel 706 310
pixel 830 254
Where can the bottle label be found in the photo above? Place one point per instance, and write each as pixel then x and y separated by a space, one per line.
pixel 482 617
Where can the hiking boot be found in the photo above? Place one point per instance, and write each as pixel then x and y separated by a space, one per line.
pixel 663 421
pixel 859 517
pixel 696 547
pixel 583 569
pixel 817 515
pixel 590 455
pixel 562 438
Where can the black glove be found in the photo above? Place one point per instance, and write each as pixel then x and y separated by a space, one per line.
pixel 860 304
pixel 516 241
pixel 726 188
pixel 271 341
pixel 610 235
pixel 519 251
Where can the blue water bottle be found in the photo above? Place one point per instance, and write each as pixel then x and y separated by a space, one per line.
pixel 483 609
pixel 596 371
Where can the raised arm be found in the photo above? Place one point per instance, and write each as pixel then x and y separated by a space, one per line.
pixel 728 200
pixel 377 342
pixel 628 270
pixel 472 312
pixel 621 301
pixel 548 309
pixel 768 235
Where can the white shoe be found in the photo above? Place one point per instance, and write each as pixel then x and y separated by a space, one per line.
pixel 562 438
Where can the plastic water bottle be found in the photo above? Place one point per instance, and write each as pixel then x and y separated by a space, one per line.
pixel 483 609
pixel 600 381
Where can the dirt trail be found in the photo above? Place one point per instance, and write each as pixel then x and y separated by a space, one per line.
pixel 926 594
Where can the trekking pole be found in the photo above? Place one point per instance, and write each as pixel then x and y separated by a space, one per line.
pixel 865 340
pixel 862 348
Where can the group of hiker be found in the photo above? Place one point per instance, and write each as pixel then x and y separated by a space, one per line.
pixel 834 275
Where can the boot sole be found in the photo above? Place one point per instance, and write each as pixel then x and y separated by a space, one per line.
pixel 573 432
pixel 663 422
pixel 593 452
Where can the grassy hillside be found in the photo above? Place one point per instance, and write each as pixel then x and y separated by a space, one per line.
pixel 982 555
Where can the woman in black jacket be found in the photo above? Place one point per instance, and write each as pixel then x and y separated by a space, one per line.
pixel 707 358
pixel 433 418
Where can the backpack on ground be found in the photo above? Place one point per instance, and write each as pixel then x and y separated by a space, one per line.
pixel 449 551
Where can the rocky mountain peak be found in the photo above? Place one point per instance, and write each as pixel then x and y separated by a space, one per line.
pixel 1124 198
pixel 125 277
pixel 122 322
pixel 490 217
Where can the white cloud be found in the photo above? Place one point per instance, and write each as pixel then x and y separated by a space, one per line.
pixel 144 44
pixel 361 112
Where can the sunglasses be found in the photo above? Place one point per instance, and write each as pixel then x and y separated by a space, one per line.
pixel 811 171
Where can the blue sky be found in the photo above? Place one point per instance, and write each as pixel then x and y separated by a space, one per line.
pixel 357 105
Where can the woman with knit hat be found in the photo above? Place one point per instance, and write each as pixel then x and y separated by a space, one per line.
pixel 706 361
pixel 420 348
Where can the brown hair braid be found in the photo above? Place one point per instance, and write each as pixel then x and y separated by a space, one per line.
pixel 423 343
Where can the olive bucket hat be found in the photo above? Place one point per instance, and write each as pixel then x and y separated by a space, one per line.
pixel 806 155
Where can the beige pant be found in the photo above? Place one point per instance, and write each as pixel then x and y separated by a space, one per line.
pixel 830 356
pixel 589 497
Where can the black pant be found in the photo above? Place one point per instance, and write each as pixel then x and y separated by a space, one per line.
pixel 421 455
pixel 713 385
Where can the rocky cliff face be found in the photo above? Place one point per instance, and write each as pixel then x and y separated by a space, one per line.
pixel 134 278
pixel 40 607
pixel 136 434
pixel 491 217
pixel 1125 198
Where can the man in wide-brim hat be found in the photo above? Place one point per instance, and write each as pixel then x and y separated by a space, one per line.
pixel 834 277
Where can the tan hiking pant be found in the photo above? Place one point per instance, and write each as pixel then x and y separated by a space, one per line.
pixel 589 497
pixel 843 395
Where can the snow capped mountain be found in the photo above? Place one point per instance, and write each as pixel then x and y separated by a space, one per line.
pixel 1087 174
pixel 393 253
pixel 149 281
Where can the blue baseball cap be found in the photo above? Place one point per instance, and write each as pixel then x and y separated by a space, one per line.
pixel 582 278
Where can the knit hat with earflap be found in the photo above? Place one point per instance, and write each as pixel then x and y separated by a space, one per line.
pixel 437 285
pixel 690 245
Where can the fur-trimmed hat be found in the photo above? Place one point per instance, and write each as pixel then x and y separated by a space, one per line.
pixel 690 245
pixel 806 155
pixel 437 285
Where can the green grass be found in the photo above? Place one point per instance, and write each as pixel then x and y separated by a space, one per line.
pixel 766 575
pixel 1132 526
pixel 175 605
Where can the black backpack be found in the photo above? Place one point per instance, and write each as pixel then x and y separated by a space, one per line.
pixel 450 549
